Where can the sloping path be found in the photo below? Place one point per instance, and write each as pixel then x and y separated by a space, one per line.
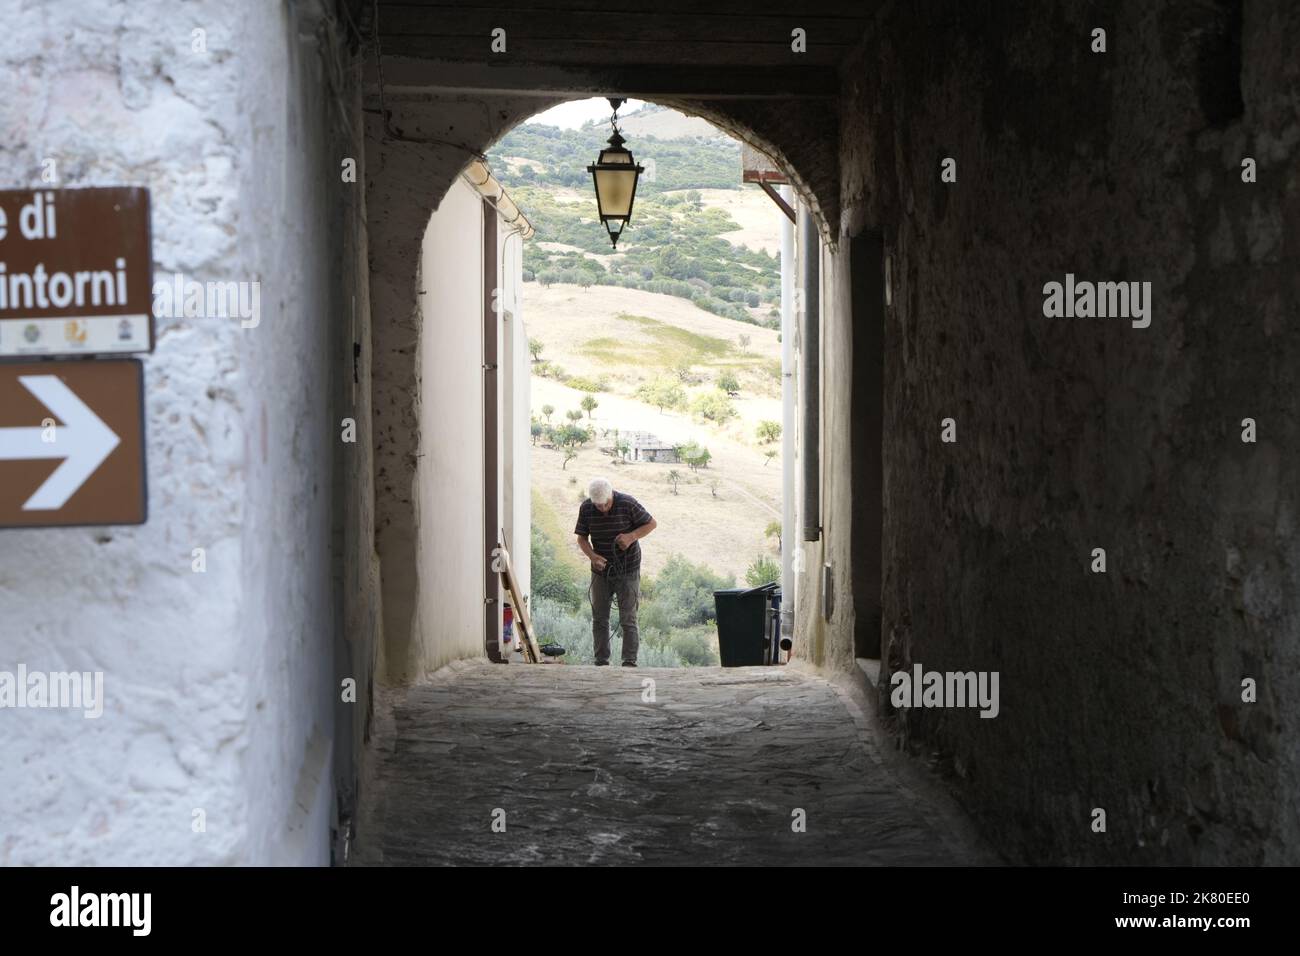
pixel 581 766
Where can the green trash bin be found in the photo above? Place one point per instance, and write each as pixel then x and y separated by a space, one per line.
pixel 742 624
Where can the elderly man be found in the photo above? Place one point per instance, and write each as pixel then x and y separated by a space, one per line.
pixel 609 525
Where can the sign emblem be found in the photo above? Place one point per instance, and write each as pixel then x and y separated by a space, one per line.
pixel 74 265
pixel 72 444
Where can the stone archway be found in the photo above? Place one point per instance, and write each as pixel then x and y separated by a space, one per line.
pixel 411 161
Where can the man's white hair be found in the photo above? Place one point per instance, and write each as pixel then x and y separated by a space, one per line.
pixel 600 491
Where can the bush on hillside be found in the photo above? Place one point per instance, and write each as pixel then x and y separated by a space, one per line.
pixel 714 406
pixel 681 595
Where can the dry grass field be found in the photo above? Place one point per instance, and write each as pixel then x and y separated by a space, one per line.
pixel 720 513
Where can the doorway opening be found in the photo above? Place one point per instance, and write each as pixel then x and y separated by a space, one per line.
pixel 655 365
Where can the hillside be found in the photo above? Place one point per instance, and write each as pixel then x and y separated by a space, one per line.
pixel 672 335
pixel 694 233
pixel 659 122
pixel 603 342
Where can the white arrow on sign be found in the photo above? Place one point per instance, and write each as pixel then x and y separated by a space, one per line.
pixel 83 442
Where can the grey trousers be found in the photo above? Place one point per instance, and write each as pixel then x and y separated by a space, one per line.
pixel 628 591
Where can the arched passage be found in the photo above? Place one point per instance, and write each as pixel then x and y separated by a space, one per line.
pixel 982 536
pixel 1156 687
pixel 418 142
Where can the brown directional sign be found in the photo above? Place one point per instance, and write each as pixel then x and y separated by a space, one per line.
pixel 72 443
pixel 76 271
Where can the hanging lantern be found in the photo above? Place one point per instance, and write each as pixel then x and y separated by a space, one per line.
pixel 615 174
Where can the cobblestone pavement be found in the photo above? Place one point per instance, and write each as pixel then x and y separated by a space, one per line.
pixel 588 771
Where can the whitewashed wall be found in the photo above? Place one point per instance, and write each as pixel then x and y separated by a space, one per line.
pixel 448 616
pixel 218 685
pixel 448 620
pixel 517 414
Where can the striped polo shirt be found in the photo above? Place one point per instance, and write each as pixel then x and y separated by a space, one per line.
pixel 625 514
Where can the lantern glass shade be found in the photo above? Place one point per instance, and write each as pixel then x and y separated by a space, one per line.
pixel 615 173
pixel 615 183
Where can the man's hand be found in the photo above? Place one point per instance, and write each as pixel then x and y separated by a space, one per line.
pixel 625 540
pixel 599 563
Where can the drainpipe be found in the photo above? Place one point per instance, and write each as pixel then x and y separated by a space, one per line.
pixel 809 377
pixel 480 177
pixel 788 404
pixel 497 205
pixel 491 439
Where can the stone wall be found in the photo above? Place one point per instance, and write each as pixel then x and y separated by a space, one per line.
pixel 1119 690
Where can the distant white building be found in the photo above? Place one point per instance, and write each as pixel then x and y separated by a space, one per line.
pixel 641 446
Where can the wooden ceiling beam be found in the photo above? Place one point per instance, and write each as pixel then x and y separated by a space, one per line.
pixel 807 10
pixel 416 76
pixel 551 50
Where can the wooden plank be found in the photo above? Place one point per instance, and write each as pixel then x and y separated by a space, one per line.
pixel 590 52
pixel 617 28
pixel 524 624
pixel 632 10
pixel 777 198
pixel 700 81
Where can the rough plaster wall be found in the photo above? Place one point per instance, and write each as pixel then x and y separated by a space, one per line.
pixel 1121 690
pixel 407 176
pixel 215 683
pixel 357 654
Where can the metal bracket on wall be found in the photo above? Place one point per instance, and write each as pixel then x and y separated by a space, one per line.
pixel 777 198
pixel 828 591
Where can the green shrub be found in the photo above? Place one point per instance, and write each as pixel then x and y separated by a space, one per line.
pixel 561 623
pixel 663 393
pixel 681 595
pixel 696 646
pixel 551 370
pixel 658 655
pixel 553 579
pixel 762 571
pixel 694 455
pixel 714 407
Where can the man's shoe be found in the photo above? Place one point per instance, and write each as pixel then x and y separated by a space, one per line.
pixel 602 663
pixel 629 663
